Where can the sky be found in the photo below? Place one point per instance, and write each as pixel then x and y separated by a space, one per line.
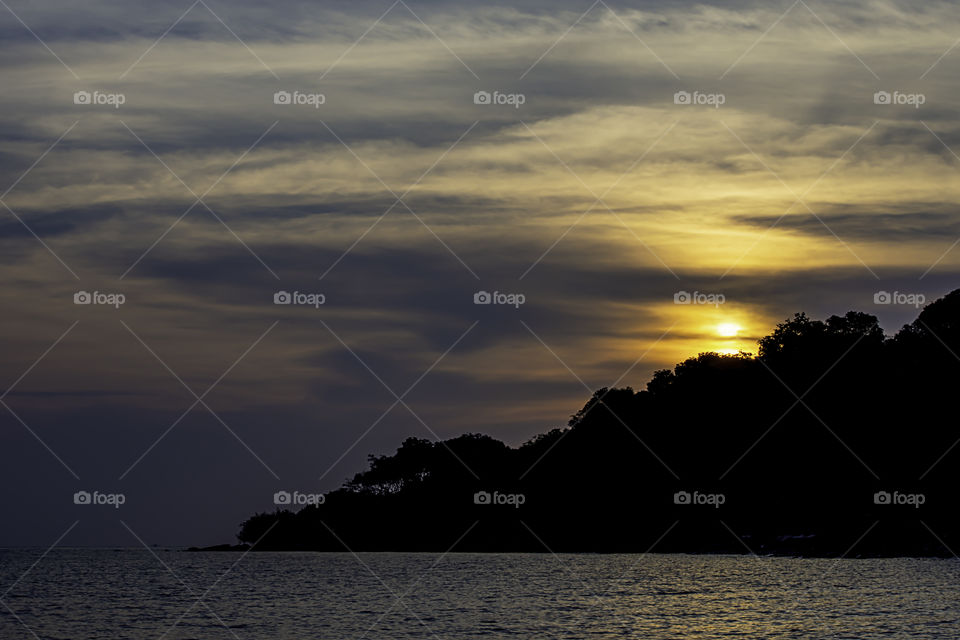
pixel 636 182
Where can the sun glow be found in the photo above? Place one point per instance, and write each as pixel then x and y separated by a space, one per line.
pixel 728 329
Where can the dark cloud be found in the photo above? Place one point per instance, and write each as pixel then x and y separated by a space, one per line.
pixel 915 222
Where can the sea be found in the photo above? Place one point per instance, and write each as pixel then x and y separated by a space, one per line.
pixel 72 594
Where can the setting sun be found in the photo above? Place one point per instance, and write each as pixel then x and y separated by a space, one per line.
pixel 728 329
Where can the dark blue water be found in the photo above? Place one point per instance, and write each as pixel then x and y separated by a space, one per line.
pixel 75 594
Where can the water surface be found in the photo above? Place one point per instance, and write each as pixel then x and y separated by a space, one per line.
pixel 77 594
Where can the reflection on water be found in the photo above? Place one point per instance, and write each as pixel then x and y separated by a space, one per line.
pixel 73 594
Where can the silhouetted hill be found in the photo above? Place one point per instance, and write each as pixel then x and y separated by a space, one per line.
pixel 832 440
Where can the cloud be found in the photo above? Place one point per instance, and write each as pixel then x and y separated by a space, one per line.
pixel 872 225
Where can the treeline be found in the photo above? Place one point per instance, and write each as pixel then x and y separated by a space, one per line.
pixel 833 439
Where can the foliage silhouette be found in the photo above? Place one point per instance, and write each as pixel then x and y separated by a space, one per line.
pixel 798 440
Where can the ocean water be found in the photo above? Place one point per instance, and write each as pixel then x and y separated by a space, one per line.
pixel 77 594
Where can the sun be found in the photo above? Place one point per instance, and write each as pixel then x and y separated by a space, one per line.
pixel 728 329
